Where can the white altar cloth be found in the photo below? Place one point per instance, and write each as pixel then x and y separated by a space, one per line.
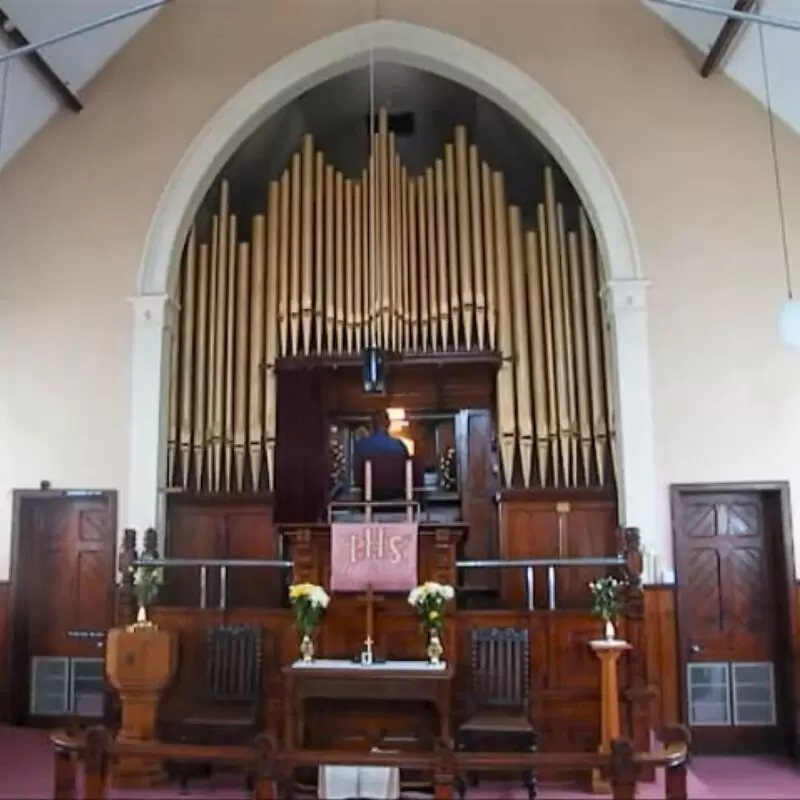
pixel 344 664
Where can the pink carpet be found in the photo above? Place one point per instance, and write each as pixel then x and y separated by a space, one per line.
pixel 26 773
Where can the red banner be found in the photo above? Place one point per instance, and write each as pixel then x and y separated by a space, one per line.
pixel 378 554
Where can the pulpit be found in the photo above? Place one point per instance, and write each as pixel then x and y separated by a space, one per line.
pixel 140 662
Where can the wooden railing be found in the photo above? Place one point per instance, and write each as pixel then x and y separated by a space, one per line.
pixel 272 768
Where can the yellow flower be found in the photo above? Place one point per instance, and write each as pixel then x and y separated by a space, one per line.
pixel 298 590
pixel 433 615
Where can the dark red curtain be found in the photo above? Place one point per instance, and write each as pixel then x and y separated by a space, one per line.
pixel 301 471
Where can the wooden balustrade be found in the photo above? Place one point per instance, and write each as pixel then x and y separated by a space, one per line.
pixel 96 749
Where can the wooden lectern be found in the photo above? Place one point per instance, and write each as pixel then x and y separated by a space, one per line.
pixel 140 663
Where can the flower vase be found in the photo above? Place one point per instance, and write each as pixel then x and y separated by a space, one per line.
pixel 435 649
pixel 306 649
pixel 609 631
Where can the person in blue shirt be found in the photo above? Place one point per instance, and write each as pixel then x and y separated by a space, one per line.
pixel 388 456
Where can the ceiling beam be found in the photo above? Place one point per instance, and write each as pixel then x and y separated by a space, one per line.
pixel 723 44
pixel 50 77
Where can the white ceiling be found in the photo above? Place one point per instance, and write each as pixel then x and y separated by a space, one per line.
pixel 30 103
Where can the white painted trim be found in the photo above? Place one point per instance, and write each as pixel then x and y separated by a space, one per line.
pixel 499 81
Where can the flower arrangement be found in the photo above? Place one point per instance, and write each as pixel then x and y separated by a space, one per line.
pixel 147 582
pixel 309 602
pixel 609 601
pixel 429 600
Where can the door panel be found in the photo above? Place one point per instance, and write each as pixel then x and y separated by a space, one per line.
pixel 65 599
pixel 727 621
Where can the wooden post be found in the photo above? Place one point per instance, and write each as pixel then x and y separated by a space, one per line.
pixel 624 770
pixel 608 651
pixel 675 776
pixel 63 775
pixel 126 602
pixel 95 759
pixel 444 770
pixel 268 767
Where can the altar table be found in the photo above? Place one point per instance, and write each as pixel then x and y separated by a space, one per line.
pixel 393 681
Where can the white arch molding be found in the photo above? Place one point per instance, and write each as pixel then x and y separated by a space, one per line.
pixel 485 73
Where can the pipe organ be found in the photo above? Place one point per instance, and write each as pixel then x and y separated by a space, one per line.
pixel 436 263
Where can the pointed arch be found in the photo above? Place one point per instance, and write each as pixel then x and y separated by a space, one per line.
pixel 487 74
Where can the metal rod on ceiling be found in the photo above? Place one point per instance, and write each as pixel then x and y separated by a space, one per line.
pixel 131 12
pixel 746 16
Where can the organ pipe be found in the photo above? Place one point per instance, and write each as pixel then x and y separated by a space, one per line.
pixel 433 263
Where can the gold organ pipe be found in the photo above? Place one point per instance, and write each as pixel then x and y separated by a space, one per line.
pixel 599 427
pixel 476 226
pixel 294 264
pixel 373 256
pixel 187 337
pixel 230 366
pixel 383 227
pixel 572 409
pixel 358 269
pixel 412 264
pixel 211 383
pixel 271 336
pixel 285 274
pixel 242 366
pixel 464 248
pixel 319 249
pixel 608 372
pixel 547 324
pixel 584 417
pixel 366 259
pixel 424 270
pixel 330 310
pixel 522 369
pixel 218 377
pixel 537 354
pixel 405 271
pixel 174 435
pixel 505 377
pixel 394 294
pixel 452 246
pixel 306 285
pixel 491 256
pixel 441 254
pixel 559 348
pixel 338 262
pixel 349 267
pixel 200 387
pixel 432 262
pixel 255 401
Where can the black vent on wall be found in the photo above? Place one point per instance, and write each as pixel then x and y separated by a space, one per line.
pixel 399 124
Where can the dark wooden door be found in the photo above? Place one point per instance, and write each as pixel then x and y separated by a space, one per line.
pixel 63 605
pixel 727 585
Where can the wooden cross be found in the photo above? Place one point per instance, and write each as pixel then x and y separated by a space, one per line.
pixel 369 599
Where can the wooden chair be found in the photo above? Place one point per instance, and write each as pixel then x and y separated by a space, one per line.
pixel 498 717
pixel 229 708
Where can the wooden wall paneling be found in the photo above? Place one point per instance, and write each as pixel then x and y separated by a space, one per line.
pixel 479 484
pixel 5 648
pixel 414 387
pixel 565 674
pixel 662 653
pixel 208 527
pixel 544 525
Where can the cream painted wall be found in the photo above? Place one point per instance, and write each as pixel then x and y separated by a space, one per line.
pixel 691 157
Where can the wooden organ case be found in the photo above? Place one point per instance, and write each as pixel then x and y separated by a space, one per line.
pixel 490 319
